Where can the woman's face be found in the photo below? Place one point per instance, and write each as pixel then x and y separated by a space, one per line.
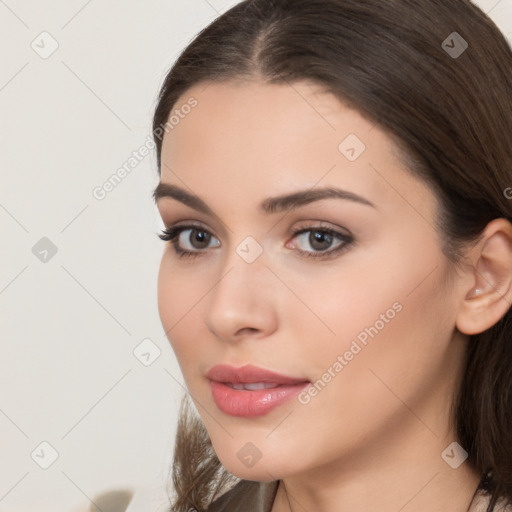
pixel 347 294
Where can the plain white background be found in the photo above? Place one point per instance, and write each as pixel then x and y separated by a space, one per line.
pixel 75 306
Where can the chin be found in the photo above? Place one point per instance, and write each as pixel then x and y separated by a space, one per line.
pixel 264 469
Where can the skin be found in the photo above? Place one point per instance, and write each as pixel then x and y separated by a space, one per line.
pixel 372 439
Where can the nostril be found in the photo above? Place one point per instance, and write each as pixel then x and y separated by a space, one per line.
pixel 247 330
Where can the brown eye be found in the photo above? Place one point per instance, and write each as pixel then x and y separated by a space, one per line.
pixel 189 240
pixel 320 240
pixel 194 239
pixel 199 239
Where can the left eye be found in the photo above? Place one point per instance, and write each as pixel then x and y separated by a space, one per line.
pixel 321 241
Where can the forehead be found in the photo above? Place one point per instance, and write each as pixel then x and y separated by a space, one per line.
pixel 265 138
pixel 253 113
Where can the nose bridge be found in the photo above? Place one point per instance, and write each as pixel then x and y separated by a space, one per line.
pixel 241 297
pixel 244 267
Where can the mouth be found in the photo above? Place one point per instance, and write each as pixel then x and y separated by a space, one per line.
pixel 252 386
pixel 250 391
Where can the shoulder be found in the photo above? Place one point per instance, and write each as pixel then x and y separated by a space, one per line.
pixel 246 496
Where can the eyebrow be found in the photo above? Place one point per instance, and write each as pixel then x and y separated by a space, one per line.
pixel 271 205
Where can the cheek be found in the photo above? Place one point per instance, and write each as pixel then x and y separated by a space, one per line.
pixel 369 290
pixel 179 295
pixel 340 304
pixel 393 338
pixel 394 318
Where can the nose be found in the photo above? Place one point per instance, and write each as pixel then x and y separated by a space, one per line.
pixel 242 302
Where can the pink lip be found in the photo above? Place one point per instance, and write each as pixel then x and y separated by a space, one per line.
pixel 251 403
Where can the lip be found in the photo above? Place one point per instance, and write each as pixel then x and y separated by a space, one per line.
pixel 251 403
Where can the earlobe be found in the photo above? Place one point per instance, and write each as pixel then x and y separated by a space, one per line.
pixel 490 295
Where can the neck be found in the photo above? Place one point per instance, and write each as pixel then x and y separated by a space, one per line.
pixel 423 482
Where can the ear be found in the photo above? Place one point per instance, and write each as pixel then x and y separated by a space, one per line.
pixel 489 295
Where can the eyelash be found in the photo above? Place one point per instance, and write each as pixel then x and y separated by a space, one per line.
pixel 171 235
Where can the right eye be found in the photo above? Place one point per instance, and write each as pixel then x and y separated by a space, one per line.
pixel 189 240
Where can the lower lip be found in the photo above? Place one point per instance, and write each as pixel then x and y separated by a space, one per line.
pixel 248 404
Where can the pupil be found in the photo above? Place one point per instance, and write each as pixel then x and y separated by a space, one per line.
pixel 320 240
pixel 199 239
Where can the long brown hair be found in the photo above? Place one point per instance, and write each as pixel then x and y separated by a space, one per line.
pixel 437 77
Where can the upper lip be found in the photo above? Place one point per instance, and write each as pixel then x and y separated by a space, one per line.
pixel 249 374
